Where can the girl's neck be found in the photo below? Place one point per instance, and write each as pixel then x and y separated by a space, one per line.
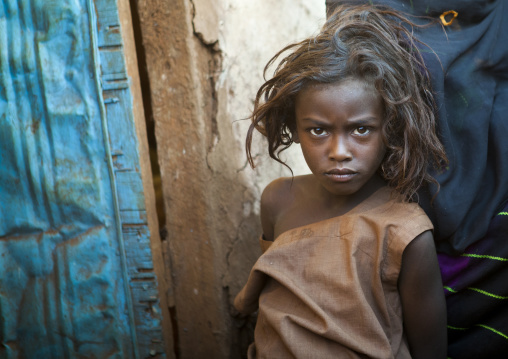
pixel 339 205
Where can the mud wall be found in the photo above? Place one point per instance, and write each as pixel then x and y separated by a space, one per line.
pixel 203 61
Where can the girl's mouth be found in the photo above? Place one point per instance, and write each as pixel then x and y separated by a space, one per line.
pixel 340 175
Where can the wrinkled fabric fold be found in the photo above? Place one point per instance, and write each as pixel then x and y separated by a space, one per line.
pixel 329 289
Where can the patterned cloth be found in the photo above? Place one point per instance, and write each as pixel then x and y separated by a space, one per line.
pixel 476 285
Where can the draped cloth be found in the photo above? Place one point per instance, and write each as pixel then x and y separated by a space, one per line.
pixel 330 289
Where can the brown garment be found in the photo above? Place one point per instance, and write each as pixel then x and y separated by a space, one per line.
pixel 329 289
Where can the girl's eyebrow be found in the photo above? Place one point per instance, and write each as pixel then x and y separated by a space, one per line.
pixel 315 122
pixel 363 120
pixel 355 121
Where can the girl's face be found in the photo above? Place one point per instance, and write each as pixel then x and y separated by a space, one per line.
pixel 339 129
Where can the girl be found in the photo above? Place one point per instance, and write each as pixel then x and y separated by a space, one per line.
pixel 349 268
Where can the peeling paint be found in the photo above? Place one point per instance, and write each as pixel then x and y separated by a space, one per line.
pixel 64 286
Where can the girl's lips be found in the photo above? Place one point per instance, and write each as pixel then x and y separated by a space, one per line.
pixel 340 175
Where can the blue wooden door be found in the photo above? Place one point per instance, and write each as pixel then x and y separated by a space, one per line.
pixel 76 274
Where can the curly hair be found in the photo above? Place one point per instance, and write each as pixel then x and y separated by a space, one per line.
pixel 373 44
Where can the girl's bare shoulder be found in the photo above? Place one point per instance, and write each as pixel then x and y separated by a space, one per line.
pixel 278 198
pixel 277 194
pixel 282 192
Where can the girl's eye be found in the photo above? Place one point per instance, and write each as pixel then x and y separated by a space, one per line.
pixel 361 131
pixel 318 131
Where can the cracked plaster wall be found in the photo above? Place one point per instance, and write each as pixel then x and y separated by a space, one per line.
pixel 205 60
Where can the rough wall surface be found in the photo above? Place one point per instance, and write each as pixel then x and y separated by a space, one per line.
pixel 205 60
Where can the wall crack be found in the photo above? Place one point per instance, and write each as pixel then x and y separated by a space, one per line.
pixel 214 70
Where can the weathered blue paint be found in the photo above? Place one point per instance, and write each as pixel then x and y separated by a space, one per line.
pixel 76 275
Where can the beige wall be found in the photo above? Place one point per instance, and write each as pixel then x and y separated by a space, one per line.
pixel 205 60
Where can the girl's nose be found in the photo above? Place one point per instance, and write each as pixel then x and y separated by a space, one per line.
pixel 339 149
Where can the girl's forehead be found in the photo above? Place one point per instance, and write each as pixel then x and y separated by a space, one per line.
pixel 354 84
pixel 346 99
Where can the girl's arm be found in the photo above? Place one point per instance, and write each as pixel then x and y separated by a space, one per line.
pixel 266 211
pixel 423 301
